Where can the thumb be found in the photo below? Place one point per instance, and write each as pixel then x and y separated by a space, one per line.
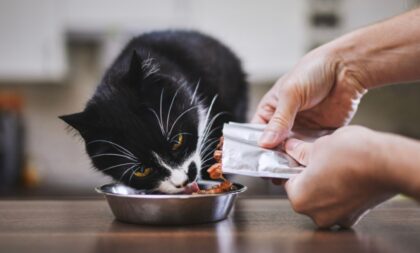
pixel 299 150
pixel 281 122
pixel 295 191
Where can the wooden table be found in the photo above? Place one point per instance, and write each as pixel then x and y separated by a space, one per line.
pixel 256 225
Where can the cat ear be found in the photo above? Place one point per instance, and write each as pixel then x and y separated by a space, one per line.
pixel 76 120
pixel 135 70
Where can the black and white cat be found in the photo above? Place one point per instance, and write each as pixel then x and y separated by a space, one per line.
pixel 156 116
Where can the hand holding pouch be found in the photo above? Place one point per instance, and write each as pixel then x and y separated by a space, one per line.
pixel 243 156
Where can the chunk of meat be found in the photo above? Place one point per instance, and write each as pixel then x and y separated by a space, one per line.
pixel 225 186
pixel 215 172
pixel 218 156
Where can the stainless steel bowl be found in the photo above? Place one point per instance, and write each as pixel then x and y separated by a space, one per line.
pixel 129 205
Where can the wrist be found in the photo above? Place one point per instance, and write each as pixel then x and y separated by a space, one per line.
pixel 378 164
pixel 383 53
pixel 402 161
pixel 353 61
pixel 400 171
pixel 384 170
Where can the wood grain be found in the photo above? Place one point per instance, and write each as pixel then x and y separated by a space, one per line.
pixel 256 225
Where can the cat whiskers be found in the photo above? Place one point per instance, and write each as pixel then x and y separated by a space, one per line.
pixel 207 148
pixel 160 109
pixel 158 120
pixel 119 165
pixel 114 154
pixel 195 91
pixel 120 148
pixel 173 139
pixel 125 172
pixel 170 106
pixel 206 122
pixel 209 155
pixel 132 174
pixel 207 139
pixel 208 131
pixel 180 116
pixel 205 162
pixel 209 111
pixel 164 126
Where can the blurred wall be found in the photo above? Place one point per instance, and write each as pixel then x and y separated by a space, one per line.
pixel 55 151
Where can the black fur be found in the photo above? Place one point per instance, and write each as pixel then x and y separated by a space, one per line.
pixel 125 108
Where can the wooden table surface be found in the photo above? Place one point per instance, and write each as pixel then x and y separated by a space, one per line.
pixel 256 225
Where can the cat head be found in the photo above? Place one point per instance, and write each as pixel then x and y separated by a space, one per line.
pixel 143 128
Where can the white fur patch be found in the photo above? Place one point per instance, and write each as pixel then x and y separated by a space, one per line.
pixel 179 174
pixel 167 187
pixel 150 67
pixel 201 128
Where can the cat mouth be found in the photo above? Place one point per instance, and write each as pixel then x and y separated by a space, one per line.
pixel 191 188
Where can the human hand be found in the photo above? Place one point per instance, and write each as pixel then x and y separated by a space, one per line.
pixel 319 93
pixel 345 176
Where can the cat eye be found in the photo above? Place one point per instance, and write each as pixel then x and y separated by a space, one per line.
pixel 143 172
pixel 178 143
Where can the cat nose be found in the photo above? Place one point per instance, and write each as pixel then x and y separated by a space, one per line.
pixel 182 185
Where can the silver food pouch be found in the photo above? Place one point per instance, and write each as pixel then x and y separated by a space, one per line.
pixel 243 156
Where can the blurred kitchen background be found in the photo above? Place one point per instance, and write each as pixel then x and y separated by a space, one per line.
pixel 53 53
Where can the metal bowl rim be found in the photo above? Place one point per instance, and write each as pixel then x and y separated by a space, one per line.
pixel 241 188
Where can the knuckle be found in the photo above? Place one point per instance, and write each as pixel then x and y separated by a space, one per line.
pixel 294 89
pixel 279 121
pixel 298 205
pixel 322 221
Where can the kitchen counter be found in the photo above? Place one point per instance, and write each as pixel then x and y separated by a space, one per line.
pixel 256 225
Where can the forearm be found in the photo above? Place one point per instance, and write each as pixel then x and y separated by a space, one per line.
pixel 383 53
pixel 401 168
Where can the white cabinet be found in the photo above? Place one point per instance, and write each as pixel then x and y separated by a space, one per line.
pixel 269 36
pixel 115 15
pixel 31 41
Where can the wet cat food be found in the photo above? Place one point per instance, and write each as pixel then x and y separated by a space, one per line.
pixel 215 172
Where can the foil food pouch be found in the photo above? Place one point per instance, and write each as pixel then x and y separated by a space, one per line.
pixel 243 156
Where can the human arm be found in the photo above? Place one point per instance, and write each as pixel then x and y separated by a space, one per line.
pixel 324 89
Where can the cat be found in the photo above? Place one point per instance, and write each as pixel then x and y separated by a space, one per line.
pixel 156 115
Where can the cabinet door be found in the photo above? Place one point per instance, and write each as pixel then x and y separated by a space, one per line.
pixel 31 41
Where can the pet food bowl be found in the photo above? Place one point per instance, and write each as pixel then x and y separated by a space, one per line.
pixel 133 206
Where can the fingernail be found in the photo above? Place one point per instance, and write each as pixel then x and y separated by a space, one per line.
pixel 291 144
pixel 269 138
